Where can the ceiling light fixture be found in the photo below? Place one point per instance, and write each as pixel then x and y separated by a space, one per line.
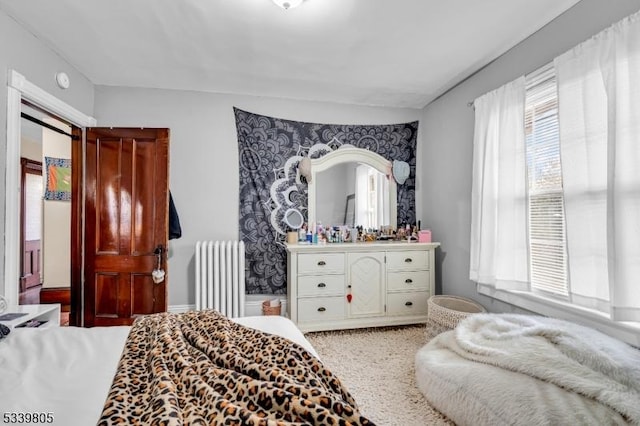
pixel 288 4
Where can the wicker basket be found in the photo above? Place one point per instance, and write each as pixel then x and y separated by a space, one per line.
pixel 267 309
pixel 445 312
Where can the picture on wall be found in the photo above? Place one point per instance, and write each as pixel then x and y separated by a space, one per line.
pixel 58 175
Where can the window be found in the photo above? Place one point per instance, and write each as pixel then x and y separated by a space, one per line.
pixel 372 208
pixel 556 195
pixel 546 219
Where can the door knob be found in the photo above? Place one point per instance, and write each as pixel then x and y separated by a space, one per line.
pixel 158 273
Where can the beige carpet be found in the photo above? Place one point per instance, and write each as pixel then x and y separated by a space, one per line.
pixel 377 366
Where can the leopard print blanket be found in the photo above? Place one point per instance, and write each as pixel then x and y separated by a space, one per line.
pixel 200 368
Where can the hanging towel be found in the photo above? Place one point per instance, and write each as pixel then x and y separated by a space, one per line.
pixel 175 231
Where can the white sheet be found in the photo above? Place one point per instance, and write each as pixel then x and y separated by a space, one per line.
pixel 278 325
pixel 67 371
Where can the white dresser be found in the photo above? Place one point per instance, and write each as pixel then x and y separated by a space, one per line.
pixel 352 285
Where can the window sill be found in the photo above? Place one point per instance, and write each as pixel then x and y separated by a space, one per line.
pixel 625 331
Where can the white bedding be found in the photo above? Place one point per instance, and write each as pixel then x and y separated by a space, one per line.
pixel 67 371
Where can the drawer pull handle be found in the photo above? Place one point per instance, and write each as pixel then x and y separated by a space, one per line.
pixel 321 285
pixel 322 309
pixel 408 260
pixel 408 281
pixel 322 263
pixel 408 304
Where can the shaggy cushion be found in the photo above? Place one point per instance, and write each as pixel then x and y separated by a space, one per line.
pixel 517 369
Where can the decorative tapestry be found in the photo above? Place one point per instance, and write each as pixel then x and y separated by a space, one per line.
pixel 269 151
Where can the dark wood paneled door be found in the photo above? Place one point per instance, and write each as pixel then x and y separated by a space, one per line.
pixel 126 220
pixel 30 223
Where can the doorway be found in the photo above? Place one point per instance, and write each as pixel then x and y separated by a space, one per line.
pixel 114 295
pixel 19 89
pixel 46 206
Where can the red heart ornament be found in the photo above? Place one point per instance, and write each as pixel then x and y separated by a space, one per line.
pixel 349 297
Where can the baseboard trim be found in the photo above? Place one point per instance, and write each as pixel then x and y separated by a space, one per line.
pixel 177 309
pixel 61 295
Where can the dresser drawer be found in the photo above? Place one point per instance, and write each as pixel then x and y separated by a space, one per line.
pixel 320 263
pixel 408 303
pixel 321 309
pixel 408 280
pixel 408 260
pixel 321 285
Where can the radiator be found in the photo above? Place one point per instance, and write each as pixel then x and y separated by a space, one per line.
pixel 220 277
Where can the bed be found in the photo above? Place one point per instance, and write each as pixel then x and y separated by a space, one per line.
pixel 86 376
pixel 496 369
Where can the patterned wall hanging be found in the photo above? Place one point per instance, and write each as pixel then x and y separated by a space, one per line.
pixel 269 152
pixel 58 179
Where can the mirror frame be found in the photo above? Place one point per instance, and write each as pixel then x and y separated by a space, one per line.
pixel 350 154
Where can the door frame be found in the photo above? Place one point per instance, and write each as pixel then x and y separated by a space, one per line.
pixel 19 88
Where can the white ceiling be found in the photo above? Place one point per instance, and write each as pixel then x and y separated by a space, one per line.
pixel 396 53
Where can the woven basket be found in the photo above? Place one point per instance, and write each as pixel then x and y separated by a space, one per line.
pixel 448 311
pixel 270 310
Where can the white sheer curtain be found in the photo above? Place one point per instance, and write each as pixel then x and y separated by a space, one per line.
pixel 382 187
pixel 599 113
pixel 362 192
pixel 499 248
pixel 372 202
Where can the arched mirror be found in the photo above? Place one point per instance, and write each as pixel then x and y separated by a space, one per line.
pixel 349 187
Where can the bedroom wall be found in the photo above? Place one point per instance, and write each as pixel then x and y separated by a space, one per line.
pixel 27 55
pixel 204 155
pixel 447 134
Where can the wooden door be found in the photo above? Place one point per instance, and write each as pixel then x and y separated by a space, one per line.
pixel 30 223
pixel 126 205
